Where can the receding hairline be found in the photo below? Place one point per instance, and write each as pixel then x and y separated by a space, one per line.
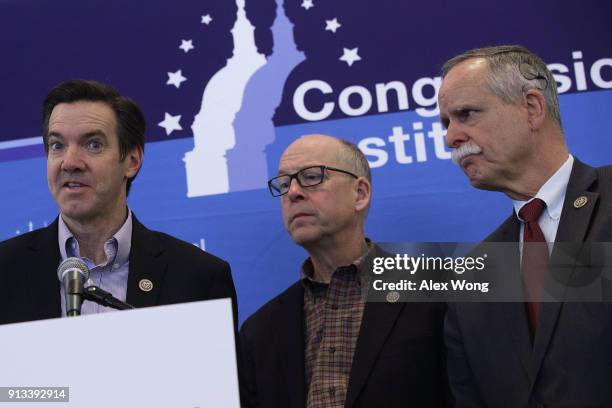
pixel 347 153
pixel 312 138
pixel 511 70
pixel 344 146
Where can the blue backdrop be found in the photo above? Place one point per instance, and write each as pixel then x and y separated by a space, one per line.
pixel 226 86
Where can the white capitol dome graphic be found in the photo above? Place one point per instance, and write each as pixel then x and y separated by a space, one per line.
pixel 233 122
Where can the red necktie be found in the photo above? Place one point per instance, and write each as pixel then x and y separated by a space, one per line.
pixel 535 259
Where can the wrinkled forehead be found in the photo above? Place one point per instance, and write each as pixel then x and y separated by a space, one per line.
pixel 310 151
pixel 469 69
pixel 82 116
pixel 466 80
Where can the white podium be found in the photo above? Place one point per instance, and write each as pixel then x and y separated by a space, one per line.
pixel 178 356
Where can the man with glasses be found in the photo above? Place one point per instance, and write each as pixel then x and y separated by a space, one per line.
pixel 319 343
pixel 501 111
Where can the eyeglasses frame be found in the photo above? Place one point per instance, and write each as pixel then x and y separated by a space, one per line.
pixel 295 176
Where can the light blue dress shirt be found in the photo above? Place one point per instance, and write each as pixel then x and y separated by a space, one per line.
pixel 112 274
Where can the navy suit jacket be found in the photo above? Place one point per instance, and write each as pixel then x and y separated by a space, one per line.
pixel 180 272
pixel 491 359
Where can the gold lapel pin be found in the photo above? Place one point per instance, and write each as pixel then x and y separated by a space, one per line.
pixel 145 285
pixel 392 297
pixel 580 202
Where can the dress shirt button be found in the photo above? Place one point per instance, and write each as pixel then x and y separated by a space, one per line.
pixel 332 350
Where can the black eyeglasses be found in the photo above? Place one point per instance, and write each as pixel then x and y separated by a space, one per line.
pixel 308 177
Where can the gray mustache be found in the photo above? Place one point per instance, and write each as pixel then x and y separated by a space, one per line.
pixel 464 150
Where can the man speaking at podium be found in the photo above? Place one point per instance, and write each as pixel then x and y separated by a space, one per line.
pixel 94 140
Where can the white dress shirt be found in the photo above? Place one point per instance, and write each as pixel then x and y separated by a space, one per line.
pixel 553 194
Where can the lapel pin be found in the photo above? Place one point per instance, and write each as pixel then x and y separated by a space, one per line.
pixel 392 297
pixel 145 285
pixel 580 202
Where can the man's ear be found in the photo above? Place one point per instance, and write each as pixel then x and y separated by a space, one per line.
pixel 536 108
pixel 133 161
pixel 364 194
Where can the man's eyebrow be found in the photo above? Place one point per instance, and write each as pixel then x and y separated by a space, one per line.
pixel 286 173
pixel 464 107
pixel 94 133
pixel 55 134
pixel 87 135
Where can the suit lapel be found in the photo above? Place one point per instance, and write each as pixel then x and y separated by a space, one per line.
pixel 575 222
pixel 515 322
pixel 147 266
pixel 573 227
pixel 376 325
pixel 290 345
pixel 507 232
pixel 42 281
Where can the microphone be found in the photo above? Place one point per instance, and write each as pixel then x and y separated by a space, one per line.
pixel 73 273
pixel 104 298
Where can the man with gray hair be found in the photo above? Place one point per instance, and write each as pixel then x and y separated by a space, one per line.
pixel 501 111
pixel 319 343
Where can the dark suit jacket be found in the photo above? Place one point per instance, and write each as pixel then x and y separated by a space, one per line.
pixel 398 359
pixel 180 272
pixel 491 359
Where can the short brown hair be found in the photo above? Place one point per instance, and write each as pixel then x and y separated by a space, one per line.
pixel 130 120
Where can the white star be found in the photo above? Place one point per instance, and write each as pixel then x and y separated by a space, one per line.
pixel 307 4
pixel 170 123
pixel 175 78
pixel 186 45
pixel 206 19
pixel 332 25
pixel 350 56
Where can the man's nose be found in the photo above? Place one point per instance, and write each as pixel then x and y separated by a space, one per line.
pixel 72 160
pixel 296 191
pixel 455 135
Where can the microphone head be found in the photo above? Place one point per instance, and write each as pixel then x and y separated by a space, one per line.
pixel 71 264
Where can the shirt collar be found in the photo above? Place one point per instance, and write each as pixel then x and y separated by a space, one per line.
pixel 552 192
pixel 123 237
pixel 307 271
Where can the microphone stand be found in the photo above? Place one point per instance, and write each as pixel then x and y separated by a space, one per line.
pixel 104 298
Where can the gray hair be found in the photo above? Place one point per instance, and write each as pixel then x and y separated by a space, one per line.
pixel 513 70
pixel 352 156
